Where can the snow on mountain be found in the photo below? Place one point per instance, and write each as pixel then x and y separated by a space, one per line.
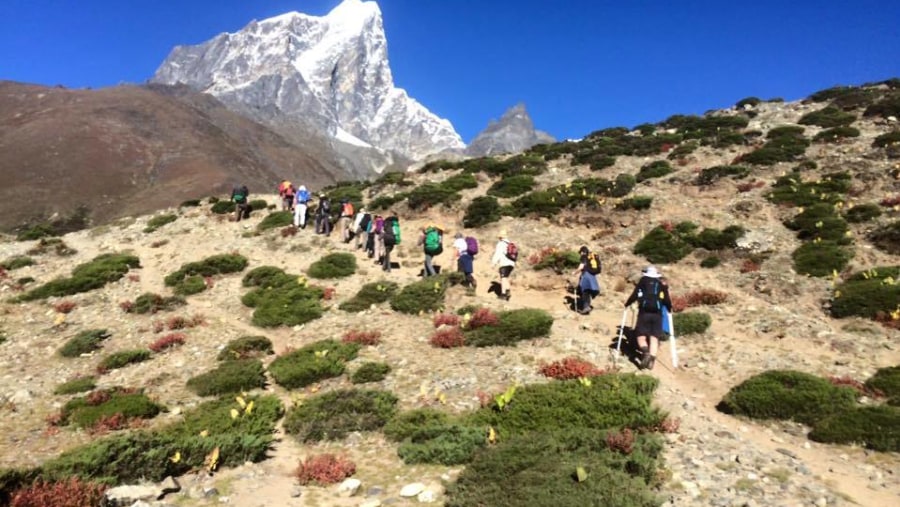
pixel 330 73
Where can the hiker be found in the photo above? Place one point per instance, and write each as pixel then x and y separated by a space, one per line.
pixel 465 257
pixel 301 200
pixel 376 238
pixel 344 219
pixel 361 227
pixel 505 255
pixel 323 216
pixel 651 296
pixel 432 239
pixel 286 191
pixel 587 287
pixel 390 238
pixel 240 195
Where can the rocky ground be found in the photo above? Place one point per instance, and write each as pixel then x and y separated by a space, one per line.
pixel 773 319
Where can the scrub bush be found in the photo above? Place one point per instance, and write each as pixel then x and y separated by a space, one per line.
pixel 246 347
pixel 335 265
pixel 370 372
pixel 103 269
pixel 159 221
pixel 512 326
pixel 317 361
pixel 229 377
pixel 332 415
pixel 84 342
pixel 370 294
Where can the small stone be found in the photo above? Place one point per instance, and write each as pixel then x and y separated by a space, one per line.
pixel 821 502
pixel 296 491
pixel 411 490
pixel 374 491
pixel 210 492
pixel 349 487
pixel 787 452
pixel 372 502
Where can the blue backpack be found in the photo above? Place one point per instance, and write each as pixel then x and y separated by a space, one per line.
pixel 303 196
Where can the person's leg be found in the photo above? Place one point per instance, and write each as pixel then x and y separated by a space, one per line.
pixel 297 216
pixel 471 279
pixel 504 281
pixel 585 301
pixel 379 248
pixel 387 257
pixel 429 266
pixel 301 210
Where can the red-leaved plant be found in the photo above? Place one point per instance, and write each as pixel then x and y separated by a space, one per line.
pixel 65 306
pixel 622 441
pixel 482 317
pixel 362 337
pixel 324 469
pixel 890 202
pixel 167 342
pixel 698 298
pixel 448 338
pixel 860 387
pixel 446 319
pixel 570 368
pixel 749 266
pixel 72 492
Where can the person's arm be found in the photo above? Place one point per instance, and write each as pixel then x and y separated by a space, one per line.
pixel 578 269
pixel 666 300
pixel 632 298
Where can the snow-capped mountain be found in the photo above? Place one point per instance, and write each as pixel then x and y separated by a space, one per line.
pixel 328 73
pixel 514 132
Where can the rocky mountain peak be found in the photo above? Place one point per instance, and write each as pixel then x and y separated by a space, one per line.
pixel 513 132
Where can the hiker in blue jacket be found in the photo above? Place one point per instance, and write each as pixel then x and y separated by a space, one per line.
pixel 588 286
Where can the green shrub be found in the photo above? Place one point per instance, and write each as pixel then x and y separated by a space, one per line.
pixel 84 342
pixel 159 221
pixel 145 455
pixel 787 395
pixel 275 220
pixel 229 377
pixel 512 326
pixel 821 258
pixel 512 186
pixel 525 163
pixel 710 262
pixel 835 134
pixel 886 380
pixel 638 202
pixel 37 231
pixel 59 247
pixel 258 204
pixel 370 294
pixel 391 178
pixel 827 117
pixel 715 240
pixel 481 211
pixel 332 415
pixel 149 302
pixel 193 284
pixel 887 139
pixel 123 358
pixel 222 207
pixel 406 425
pixel 791 189
pixel 887 237
pixel 875 427
pixel 317 361
pixel 370 372
pixel 246 347
pixel 655 169
pixel 290 304
pixel 749 101
pixel 831 93
pixel 103 269
pixel 820 221
pixel 660 246
pixel 542 203
pixel 384 202
pixel 428 195
pixel 866 294
pixel 541 470
pixel 559 261
pixel 785 144
pixel 889 105
pixel 683 150
pixel 711 175
pixel 83 413
pixel 350 190
pixel 460 182
pixel 426 295
pixel 16 262
pixel 78 385
pixel 190 203
pixel 266 277
pixel 449 445
pixel 210 266
pixel 334 265
pixel 862 213
pixel 687 323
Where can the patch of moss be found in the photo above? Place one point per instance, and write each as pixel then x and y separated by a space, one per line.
pixel 123 358
pixel 246 347
pixel 331 416
pixel 317 361
pixel 334 265
pixel 84 342
pixel 512 326
pixel 788 395
pixel 159 221
pixel 688 323
pixel 78 385
pixel 103 269
pixel 370 294
pixel 229 377
pixel 17 262
pixel 370 372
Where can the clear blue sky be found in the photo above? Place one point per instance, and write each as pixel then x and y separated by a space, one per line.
pixel 578 65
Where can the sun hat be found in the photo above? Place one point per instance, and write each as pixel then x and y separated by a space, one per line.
pixel 651 272
pixel 458 235
pixel 502 234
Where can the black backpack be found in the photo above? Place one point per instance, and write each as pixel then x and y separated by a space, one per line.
pixel 364 223
pixel 648 295
pixel 593 266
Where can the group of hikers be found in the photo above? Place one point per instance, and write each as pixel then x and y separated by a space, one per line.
pixel 378 235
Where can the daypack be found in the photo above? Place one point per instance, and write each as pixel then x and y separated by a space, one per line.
pixel 325 207
pixel 392 231
pixel 364 222
pixel 239 195
pixel 433 241
pixel 512 251
pixel 303 196
pixel 284 188
pixel 471 246
pixel 347 209
pixel 377 225
pixel 649 295
pixel 593 264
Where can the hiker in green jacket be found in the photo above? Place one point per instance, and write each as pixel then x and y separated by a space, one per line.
pixel 432 238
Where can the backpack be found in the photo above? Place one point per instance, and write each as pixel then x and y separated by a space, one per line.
pixel 433 241
pixel 303 196
pixel 364 223
pixel 391 231
pixel 325 206
pixel 284 188
pixel 471 246
pixel 593 264
pixel 348 209
pixel 240 195
pixel 648 295
pixel 512 251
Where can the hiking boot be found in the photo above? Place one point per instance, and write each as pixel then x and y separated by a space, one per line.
pixel 507 296
pixel 651 362
pixel 647 362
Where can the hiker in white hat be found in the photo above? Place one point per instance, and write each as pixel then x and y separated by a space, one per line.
pixel 651 295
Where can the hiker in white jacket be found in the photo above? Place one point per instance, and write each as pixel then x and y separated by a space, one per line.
pixel 505 256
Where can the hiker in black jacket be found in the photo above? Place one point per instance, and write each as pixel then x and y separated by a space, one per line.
pixel 651 295
pixel 241 197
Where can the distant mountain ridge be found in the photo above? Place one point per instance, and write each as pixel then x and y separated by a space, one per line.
pixel 327 74
pixel 514 132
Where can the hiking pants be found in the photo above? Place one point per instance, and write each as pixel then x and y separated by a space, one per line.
pixel 300 215
pixel 362 238
pixel 241 210
pixel 387 257
pixel 344 226
pixel 323 225
pixel 379 245
pixel 429 266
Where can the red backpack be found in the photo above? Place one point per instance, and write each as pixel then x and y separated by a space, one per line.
pixel 512 251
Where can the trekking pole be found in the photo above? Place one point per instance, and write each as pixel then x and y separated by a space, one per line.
pixel 672 349
pixel 621 333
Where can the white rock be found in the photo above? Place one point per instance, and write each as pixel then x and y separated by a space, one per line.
pixel 374 502
pixel 21 397
pixel 411 490
pixel 349 487
pixel 426 496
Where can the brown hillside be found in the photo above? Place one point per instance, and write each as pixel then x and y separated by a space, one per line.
pixel 133 149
